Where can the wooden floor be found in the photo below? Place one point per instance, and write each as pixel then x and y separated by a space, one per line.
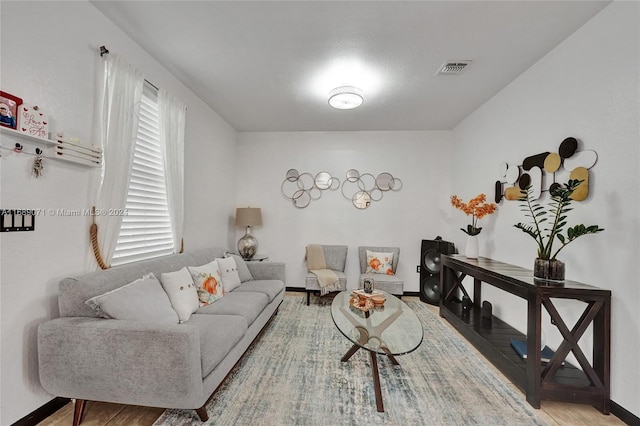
pixel 103 414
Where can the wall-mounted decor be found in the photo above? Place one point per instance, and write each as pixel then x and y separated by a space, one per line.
pixel 32 121
pixel 302 188
pixel 9 110
pixel 362 189
pixel 535 168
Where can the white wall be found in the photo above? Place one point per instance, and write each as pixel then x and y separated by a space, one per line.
pixel 401 218
pixel 49 58
pixel 588 88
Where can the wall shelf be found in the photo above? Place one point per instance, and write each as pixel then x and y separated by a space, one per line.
pixel 62 149
pixel 27 137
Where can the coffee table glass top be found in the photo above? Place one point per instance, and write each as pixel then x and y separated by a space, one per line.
pixel 393 329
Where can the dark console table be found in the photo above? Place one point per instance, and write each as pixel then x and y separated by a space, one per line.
pixel 556 380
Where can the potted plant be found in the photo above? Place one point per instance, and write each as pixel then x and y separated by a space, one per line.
pixel 548 225
pixel 477 208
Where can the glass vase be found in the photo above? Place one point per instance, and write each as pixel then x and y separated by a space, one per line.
pixel 548 270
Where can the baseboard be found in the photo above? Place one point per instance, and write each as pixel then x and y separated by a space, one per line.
pixel 624 415
pixel 302 289
pixel 43 412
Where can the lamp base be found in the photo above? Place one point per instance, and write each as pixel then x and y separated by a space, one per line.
pixel 247 245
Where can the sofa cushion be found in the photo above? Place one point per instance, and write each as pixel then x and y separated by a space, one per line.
pixel 243 269
pixel 389 283
pixel 182 292
pixel 208 282
pixel 73 292
pixel 229 273
pixel 141 300
pixel 244 303
pixel 379 263
pixel 218 335
pixel 269 287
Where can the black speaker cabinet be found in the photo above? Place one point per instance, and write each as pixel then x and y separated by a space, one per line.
pixel 430 266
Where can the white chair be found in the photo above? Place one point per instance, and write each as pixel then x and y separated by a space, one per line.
pixel 382 271
pixel 335 257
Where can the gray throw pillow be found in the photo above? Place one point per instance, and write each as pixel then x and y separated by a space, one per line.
pixel 141 300
pixel 243 269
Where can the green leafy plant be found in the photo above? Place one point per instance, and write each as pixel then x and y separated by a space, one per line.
pixel 549 223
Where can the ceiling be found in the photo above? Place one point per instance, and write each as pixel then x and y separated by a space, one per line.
pixel 269 65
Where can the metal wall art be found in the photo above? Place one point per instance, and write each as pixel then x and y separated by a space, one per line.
pixel 576 163
pixel 362 189
pixel 302 188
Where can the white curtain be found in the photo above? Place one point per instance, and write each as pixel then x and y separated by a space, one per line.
pixel 119 101
pixel 172 125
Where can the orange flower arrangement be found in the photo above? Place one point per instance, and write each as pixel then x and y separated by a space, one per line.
pixel 477 208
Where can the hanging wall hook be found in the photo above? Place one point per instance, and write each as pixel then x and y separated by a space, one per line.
pixel 103 51
pixel 38 151
pixel 18 148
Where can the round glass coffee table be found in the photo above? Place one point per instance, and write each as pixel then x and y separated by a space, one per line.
pixel 390 330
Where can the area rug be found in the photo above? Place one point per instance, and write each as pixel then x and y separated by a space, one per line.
pixel 292 375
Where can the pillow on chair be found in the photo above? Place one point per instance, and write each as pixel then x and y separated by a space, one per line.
pixel 379 263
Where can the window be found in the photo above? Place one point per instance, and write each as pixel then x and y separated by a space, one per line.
pixel 146 228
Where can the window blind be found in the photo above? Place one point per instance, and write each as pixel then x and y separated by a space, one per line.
pixel 145 232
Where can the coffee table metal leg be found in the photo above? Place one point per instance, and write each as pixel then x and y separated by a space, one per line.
pixel 350 353
pixel 376 382
pixel 391 357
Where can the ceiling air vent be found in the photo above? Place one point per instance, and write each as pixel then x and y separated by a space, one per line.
pixel 453 67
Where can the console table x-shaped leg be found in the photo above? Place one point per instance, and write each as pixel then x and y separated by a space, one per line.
pixel 597 312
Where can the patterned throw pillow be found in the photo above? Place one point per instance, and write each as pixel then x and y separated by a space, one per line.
pixel 208 282
pixel 379 263
pixel 181 291
pixel 229 273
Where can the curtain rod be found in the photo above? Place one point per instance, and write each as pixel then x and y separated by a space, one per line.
pixel 105 51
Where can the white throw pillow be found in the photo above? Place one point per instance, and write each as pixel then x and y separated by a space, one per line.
pixel 142 300
pixel 379 263
pixel 229 273
pixel 181 291
pixel 208 282
pixel 243 269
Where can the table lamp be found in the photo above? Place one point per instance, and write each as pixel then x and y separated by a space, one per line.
pixel 248 217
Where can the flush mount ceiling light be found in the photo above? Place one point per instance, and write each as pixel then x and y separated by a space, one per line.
pixel 345 97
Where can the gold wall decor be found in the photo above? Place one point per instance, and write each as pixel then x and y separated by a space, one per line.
pixel 535 171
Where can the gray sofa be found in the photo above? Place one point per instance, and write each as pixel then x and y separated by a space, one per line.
pixel 88 358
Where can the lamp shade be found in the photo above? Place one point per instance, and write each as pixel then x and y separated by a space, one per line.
pixel 248 216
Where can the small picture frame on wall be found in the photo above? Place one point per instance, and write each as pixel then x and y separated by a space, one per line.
pixel 9 110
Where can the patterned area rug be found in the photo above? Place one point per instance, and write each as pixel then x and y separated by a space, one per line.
pixel 293 376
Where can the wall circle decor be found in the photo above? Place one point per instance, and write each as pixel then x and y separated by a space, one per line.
pixel 302 188
pixel 362 189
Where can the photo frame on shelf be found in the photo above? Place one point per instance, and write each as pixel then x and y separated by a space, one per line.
pixel 9 110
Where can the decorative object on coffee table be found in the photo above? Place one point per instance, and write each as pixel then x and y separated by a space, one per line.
pixel 546 266
pixel 248 217
pixel 478 208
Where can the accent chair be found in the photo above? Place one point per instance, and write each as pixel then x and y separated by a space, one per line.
pixel 381 266
pixel 335 257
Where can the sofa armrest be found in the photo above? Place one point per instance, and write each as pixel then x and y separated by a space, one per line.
pixel 133 362
pixel 267 270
